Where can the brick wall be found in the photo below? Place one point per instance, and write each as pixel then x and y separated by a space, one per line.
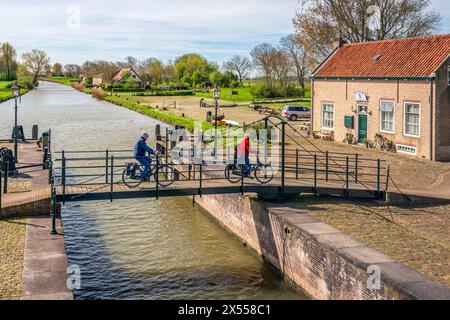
pixel 442 122
pixel 342 94
pixel 314 257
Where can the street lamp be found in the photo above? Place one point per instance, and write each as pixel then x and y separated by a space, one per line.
pixel 16 93
pixel 216 96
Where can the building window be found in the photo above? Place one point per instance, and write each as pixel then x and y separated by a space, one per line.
pixel 448 75
pixel 328 116
pixel 412 119
pixel 387 116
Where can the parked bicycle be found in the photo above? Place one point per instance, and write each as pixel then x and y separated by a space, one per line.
pixel 131 176
pixel 235 172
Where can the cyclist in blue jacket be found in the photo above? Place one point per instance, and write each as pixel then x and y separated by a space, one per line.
pixel 140 150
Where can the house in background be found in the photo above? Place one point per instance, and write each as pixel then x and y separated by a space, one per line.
pixel 399 89
pixel 128 74
pixel 97 80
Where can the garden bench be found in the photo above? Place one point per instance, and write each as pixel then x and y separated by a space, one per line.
pixel 325 135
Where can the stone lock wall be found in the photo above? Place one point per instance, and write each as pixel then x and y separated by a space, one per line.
pixel 314 257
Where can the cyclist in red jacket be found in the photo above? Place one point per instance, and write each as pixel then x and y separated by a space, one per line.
pixel 243 151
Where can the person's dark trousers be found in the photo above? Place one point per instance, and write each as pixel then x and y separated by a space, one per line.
pixel 147 163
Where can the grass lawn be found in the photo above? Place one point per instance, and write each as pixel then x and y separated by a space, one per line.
pixel 12 235
pixel 244 95
pixel 63 80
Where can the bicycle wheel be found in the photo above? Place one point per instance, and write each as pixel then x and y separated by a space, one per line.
pixel 132 181
pixel 166 175
pixel 230 174
pixel 264 173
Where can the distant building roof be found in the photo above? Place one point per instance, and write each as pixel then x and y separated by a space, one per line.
pixel 418 57
pixel 123 73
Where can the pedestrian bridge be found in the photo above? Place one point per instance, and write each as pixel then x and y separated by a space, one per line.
pixel 98 176
pixel 298 167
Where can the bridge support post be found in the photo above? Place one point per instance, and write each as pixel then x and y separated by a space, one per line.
pixel 157 178
pixel 315 174
pixel 53 210
pixel 296 164
pixel 63 177
pixel 378 176
pixel 106 166
pixel 347 176
pixel 327 166
pixel 112 180
pixel 283 155
pixel 356 167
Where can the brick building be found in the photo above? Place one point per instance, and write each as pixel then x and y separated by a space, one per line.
pixel 399 89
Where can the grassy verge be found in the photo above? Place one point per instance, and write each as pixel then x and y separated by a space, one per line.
pixel 62 80
pixel 160 115
pixel 5 90
pixel 12 235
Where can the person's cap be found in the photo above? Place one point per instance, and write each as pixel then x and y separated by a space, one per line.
pixel 145 134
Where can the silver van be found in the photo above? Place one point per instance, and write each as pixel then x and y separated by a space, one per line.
pixel 294 113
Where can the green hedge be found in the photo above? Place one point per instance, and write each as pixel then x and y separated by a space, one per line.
pixel 163 116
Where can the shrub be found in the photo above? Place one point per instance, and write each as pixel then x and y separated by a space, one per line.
pixel 78 86
pixel 235 85
pixel 98 93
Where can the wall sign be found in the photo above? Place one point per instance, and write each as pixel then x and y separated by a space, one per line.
pixel 361 97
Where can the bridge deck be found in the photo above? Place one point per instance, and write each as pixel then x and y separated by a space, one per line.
pixel 74 193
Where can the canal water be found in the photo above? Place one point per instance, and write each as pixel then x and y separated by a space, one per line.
pixel 139 249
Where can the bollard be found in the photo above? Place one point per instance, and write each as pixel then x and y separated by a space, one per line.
pixel 35 132
pixel 5 179
pixel 327 158
pixel 356 167
pixel 296 164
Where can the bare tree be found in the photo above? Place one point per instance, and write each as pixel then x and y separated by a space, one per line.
pixel 320 22
pixel 262 59
pixel 72 70
pixel 131 62
pixel 107 69
pixel 37 62
pixel 57 69
pixel 298 55
pixel 239 65
pixel 274 65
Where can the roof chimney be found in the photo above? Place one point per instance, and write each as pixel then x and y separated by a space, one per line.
pixel 339 43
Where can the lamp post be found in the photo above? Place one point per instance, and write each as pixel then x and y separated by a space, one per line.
pixel 16 93
pixel 216 96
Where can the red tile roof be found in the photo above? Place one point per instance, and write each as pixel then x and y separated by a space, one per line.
pixel 411 57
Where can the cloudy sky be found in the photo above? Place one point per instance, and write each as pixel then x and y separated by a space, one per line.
pixel 74 31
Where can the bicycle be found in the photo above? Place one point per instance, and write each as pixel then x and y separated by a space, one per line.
pixel 235 172
pixel 131 176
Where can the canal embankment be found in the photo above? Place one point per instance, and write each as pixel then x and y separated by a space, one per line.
pixel 316 257
pixel 33 261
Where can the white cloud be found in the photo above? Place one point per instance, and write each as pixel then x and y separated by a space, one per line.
pixel 114 29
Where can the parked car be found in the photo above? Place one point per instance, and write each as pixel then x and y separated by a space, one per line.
pixel 294 113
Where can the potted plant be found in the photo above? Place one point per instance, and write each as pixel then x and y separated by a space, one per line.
pixel 349 138
pixel 366 142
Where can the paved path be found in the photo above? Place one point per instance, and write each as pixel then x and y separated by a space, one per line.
pixel 29 201
pixel 45 263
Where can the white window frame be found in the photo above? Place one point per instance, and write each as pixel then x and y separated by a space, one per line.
pixel 381 117
pixel 404 119
pixel 323 118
